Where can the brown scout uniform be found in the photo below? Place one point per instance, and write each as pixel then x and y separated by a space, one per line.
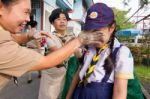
pixel 15 60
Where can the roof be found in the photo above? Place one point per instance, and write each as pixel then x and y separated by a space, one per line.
pixel 129 32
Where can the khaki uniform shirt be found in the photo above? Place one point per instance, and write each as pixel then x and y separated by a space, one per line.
pixel 15 60
pixel 52 80
pixel 58 40
pixel 34 44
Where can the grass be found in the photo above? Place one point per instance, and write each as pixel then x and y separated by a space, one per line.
pixel 143 72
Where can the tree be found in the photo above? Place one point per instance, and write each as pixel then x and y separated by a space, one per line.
pixel 143 2
pixel 121 18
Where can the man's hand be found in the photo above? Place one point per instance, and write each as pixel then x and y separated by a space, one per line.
pixel 87 38
pixel 44 34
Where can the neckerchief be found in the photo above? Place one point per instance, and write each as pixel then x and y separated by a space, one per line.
pixel 91 68
pixel 64 38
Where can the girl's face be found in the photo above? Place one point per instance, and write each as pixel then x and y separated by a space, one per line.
pixel 106 33
pixel 60 23
pixel 14 17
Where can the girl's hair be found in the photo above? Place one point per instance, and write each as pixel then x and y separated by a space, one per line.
pixel 8 2
pixel 56 13
pixel 109 62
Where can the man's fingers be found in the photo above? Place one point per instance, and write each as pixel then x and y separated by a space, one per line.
pixel 92 42
pixel 37 36
pixel 90 37
pixel 95 34
pixel 46 34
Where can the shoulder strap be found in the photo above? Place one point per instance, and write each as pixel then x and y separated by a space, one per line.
pixel 106 77
pixel 114 54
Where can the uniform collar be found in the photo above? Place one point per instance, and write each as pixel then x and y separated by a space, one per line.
pixel 1 28
pixel 59 35
pixel 116 43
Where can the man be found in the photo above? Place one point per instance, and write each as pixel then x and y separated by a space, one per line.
pixel 52 80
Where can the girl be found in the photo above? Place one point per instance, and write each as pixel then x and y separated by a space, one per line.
pixel 103 75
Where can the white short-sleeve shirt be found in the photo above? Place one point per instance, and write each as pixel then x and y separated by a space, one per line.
pixel 123 66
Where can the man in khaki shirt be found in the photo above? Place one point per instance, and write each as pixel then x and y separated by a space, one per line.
pixel 15 60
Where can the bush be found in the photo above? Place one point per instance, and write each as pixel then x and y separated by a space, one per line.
pixel 136 52
pixel 146 61
pixel 144 50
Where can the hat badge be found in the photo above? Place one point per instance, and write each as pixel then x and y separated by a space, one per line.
pixel 93 15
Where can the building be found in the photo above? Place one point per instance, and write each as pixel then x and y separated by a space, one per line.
pixel 41 9
pixel 132 37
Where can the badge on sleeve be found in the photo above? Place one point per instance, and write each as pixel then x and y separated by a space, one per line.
pixel 130 55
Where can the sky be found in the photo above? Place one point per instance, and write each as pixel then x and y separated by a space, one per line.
pixel 119 5
pixel 134 5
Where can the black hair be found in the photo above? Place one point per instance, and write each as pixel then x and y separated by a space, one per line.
pixel 32 23
pixel 56 13
pixel 109 62
pixel 8 2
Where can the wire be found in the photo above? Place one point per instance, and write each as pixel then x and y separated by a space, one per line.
pixel 133 14
pixel 142 19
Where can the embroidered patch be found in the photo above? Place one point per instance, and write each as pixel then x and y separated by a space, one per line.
pixel 130 55
pixel 93 15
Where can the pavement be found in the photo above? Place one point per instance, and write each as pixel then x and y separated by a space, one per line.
pixel 30 91
pixel 23 90
pixel 145 92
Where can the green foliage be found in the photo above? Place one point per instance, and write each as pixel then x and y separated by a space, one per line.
pixel 121 18
pixel 143 72
pixel 143 2
pixel 144 50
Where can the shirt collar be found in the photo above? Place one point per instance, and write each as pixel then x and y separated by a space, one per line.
pixel 59 35
pixel 1 28
pixel 116 43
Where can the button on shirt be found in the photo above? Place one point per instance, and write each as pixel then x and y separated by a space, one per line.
pixel 15 60
pixel 123 66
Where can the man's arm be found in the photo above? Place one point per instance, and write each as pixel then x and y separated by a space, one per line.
pixel 63 53
pixel 53 48
pixel 58 56
pixel 22 38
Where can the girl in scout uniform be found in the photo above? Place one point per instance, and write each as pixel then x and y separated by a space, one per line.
pixel 105 72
